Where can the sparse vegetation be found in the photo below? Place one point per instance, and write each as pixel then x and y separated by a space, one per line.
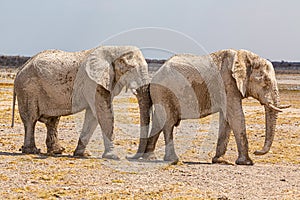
pixel 274 175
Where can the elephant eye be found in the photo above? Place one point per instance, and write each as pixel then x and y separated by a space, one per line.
pixel 258 75
pixel 129 57
pixel 267 80
pixel 131 66
pixel 256 66
pixel 127 67
pixel 266 86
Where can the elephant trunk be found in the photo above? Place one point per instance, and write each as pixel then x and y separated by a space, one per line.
pixel 139 80
pixel 145 103
pixel 271 115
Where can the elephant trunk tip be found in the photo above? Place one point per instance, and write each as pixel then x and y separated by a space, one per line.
pixel 261 152
pixel 265 149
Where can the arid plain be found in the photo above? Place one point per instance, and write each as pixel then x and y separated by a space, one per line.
pixel 274 175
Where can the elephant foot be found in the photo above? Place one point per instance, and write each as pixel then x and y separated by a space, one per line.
pixel 82 153
pixel 110 155
pixel 221 160
pixel 55 150
pixel 171 158
pixel 244 161
pixel 135 157
pixel 30 150
pixel 149 156
pixel 144 156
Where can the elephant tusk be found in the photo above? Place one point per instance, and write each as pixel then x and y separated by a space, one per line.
pixel 284 106
pixel 274 108
pixel 133 91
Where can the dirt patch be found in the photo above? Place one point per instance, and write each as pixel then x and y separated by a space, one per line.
pixel 274 175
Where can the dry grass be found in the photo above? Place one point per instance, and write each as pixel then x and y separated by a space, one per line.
pixel 43 177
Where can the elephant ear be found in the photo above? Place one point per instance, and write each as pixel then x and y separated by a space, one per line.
pixel 99 68
pixel 240 70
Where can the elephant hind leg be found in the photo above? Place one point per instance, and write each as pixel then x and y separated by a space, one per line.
pixel 166 124
pixel 223 139
pixel 53 146
pixel 29 116
pixel 170 154
pixel 29 140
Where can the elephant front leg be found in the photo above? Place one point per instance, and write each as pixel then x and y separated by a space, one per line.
pixel 149 151
pixel 147 144
pixel 106 120
pixel 236 120
pixel 146 147
pixel 53 146
pixel 223 139
pixel 89 125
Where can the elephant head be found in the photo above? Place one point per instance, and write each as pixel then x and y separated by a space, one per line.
pixel 114 67
pixel 255 77
pixel 103 74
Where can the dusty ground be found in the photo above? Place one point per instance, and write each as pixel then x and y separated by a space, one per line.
pixel 274 176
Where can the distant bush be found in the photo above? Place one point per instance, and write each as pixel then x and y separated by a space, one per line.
pixel 154 64
pixel 12 61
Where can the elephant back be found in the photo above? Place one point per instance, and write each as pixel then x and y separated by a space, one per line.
pixel 196 83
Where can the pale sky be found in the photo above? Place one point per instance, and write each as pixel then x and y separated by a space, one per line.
pixel 270 28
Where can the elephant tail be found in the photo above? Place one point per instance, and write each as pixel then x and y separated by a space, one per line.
pixel 13 108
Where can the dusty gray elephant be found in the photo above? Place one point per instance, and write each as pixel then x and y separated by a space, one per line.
pixel 55 83
pixel 191 87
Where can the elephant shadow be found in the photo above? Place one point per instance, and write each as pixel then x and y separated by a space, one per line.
pixel 42 156
pixel 45 155
pixel 157 161
pixel 196 163
pixel 205 163
pixel 147 161
pixel 11 154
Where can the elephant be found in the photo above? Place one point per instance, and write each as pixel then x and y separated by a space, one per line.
pixel 191 87
pixel 56 83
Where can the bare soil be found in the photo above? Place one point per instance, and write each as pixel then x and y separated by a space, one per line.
pixel 274 175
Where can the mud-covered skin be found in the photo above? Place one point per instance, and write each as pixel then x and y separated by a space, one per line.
pixel 55 83
pixel 191 87
pixel 44 87
pixel 53 146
